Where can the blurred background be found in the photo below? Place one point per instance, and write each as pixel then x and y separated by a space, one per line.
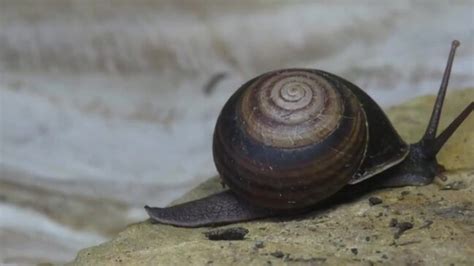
pixel 110 105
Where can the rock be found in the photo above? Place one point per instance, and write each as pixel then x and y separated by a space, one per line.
pixel 442 221
pixel 375 201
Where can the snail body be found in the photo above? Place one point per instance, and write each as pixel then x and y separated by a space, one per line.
pixel 290 139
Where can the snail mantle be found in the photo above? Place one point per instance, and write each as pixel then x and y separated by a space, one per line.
pixel 430 225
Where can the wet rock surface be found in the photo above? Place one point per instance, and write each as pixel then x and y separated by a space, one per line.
pixel 429 225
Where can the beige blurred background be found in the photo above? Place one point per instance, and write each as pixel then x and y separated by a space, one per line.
pixel 110 105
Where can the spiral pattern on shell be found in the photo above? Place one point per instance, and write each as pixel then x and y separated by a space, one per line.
pixel 290 138
pixel 290 109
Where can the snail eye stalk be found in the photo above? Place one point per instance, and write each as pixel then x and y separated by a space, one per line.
pixel 430 133
pixel 430 143
pixel 438 143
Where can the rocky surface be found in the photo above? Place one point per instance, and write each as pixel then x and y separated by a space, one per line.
pixel 426 225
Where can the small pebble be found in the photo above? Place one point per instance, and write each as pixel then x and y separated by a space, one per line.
pixel 402 227
pixel 233 233
pixel 259 244
pixel 277 254
pixel 354 251
pixel 374 201
pixel 405 226
pixel 427 224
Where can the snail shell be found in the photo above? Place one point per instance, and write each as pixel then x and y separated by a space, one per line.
pixel 290 138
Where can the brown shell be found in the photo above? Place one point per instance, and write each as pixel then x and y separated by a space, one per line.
pixel 290 138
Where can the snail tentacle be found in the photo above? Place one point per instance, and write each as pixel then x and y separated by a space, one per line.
pixel 432 127
pixel 446 134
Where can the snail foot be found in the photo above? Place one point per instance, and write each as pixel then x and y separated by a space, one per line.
pixel 217 209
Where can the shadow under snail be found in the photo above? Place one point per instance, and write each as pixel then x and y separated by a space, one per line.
pixel 291 139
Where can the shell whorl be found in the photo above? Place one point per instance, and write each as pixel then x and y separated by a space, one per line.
pixel 290 138
pixel 290 109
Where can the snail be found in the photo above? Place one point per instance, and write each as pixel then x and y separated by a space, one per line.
pixel 291 139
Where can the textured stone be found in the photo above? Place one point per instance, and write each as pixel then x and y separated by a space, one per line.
pixel 426 225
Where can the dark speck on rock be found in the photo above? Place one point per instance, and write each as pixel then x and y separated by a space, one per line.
pixel 402 227
pixel 405 192
pixel 277 254
pixel 259 244
pixel 427 224
pixel 393 222
pixel 374 201
pixel 233 233
pixel 307 261
pixel 354 251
